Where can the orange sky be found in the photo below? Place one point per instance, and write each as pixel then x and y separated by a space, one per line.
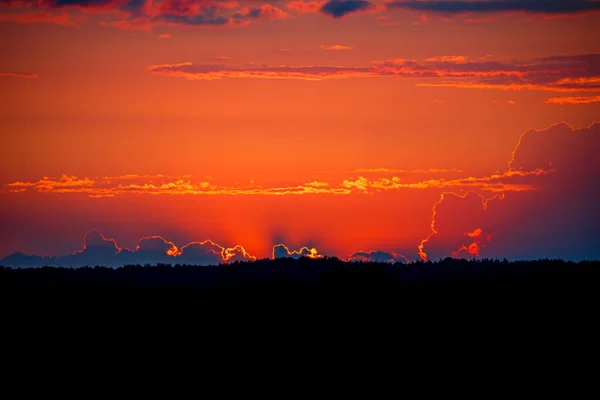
pixel 338 128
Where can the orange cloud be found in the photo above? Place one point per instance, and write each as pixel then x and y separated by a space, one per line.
pixel 336 47
pixel 499 182
pixel 110 186
pixel 475 233
pixel 449 59
pixel 19 75
pixel 43 17
pixel 310 6
pixel 473 249
pixel 573 100
pixel 194 72
pixel 49 184
pixel 408 171
pixel 552 168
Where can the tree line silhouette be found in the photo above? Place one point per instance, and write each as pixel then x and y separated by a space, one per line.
pixel 298 308
pixel 310 279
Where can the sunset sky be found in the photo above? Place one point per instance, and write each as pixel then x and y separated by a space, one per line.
pixel 386 130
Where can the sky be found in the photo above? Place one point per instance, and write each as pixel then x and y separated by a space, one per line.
pixel 207 131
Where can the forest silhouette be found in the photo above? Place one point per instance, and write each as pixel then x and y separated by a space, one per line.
pixel 456 285
pixel 301 310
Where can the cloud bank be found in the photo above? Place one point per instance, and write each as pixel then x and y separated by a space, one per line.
pixel 559 74
pixel 544 204
pixel 340 8
pixel 494 6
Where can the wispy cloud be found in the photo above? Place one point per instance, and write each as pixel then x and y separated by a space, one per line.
pixel 306 6
pixel 211 72
pixel 38 17
pixel 568 74
pixel 19 75
pixel 573 100
pixel 491 6
pixel 265 11
pixel 336 47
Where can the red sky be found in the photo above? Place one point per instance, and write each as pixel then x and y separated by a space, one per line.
pixel 345 126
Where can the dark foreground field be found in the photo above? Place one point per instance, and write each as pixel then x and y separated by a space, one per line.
pixel 513 316
pixel 307 291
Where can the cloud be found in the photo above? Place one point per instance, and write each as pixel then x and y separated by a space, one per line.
pixel 265 11
pixel 378 256
pixel 310 6
pixel 317 184
pixel 563 74
pixel 38 17
pixel 559 219
pixel 476 233
pixel 408 171
pixel 212 72
pixel 559 74
pixel 282 251
pixel 458 221
pixel 18 75
pixel 20 260
pixel 336 47
pixel 574 100
pixel 164 36
pixel 87 4
pixel 100 250
pixel 490 6
pixel 144 15
pixel 543 204
pixel 204 253
pixel 508 181
pixel 340 8
pixel 449 59
pixel 133 184
pixel 473 250
pixel 50 184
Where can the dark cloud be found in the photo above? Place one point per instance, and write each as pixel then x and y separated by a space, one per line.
pixel 340 8
pixel 201 253
pixel 530 6
pixel 265 11
pixel 377 256
pixel 560 219
pixel 78 3
pixel 20 260
pixel 196 20
pixel 282 251
pixel 578 73
pixel 100 250
pixel 143 15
